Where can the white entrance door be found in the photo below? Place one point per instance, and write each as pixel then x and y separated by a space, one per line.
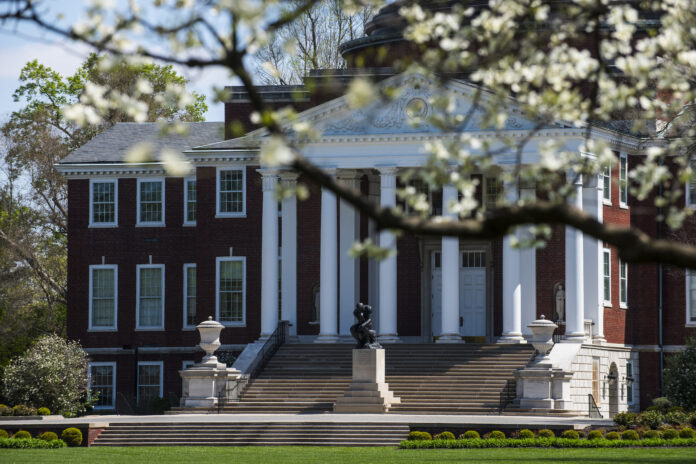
pixel 436 292
pixel 472 293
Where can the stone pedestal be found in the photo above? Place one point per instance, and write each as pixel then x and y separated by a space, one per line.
pixel 204 382
pixel 368 392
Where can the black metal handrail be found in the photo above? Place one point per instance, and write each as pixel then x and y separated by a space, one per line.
pixel 593 410
pixel 507 395
pixel 233 390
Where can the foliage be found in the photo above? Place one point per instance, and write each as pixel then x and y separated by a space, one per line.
pixel 43 411
pixel 663 404
pixel 444 436
pixel 595 435
pixel 547 443
pixel 652 419
pixel 29 443
pixel 612 436
pixel 570 434
pixel 3 433
pixel 469 435
pixel 687 432
pixel 160 405
pixel 546 433
pixel 676 418
pixel 680 376
pixel 417 435
pixel 525 433
pixel 625 419
pixel 650 434
pixel 21 435
pixel 496 435
pixel 23 410
pixel 692 419
pixel 5 410
pixel 629 435
pixel 48 436
pixel 52 372
pixel 669 434
pixel 71 436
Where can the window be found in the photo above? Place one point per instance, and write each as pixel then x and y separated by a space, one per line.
pixel 150 297
pixel 607 185
pixel 230 199
pixel 473 259
pixel 103 201
pixel 150 202
pixel 629 382
pixel 607 276
pixel 149 382
pixel 103 297
pixel 189 201
pixel 101 378
pixel 623 180
pixel 494 192
pixel 623 284
pixel 189 295
pixel 230 291
pixel 691 187
pixel 691 297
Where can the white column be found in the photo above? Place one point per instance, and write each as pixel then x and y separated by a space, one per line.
pixel 269 254
pixel 373 264
pixel 593 265
pixel 450 276
pixel 574 272
pixel 387 267
pixel 528 276
pixel 328 270
pixel 288 261
pixel 512 285
pixel 349 281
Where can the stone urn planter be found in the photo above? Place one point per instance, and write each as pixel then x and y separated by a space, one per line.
pixel 210 340
pixel 542 339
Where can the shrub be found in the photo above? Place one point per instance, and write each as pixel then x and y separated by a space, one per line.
pixel 669 434
pixel 662 404
pixel 48 436
pixel 687 433
pixel 650 434
pixel 160 405
pixel 52 372
pixel 625 419
pixel 525 433
pixel 652 419
pixel 680 377
pixel 546 433
pixel 595 435
pixel 496 435
pixel 692 419
pixel 571 434
pixel 416 435
pixel 445 436
pixel 630 435
pixel 21 435
pixel 612 436
pixel 470 435
pixel 676 408
pixel 30 443
pixel 43 412
pixel 4 434
pixel 71 436
pixel 5 410
pixel 23 410
pixel 676 418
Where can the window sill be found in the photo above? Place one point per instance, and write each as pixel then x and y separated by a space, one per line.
pixel 188 224
pixel 103 226
pixel 623 306
pixel 104 408
pixel 606 202
pixel 233 324
pixel 607 304
pixel 150 224
pixel 149 329
pixel 690 324
pixel 623 206
pixel 230 216
pixel 102 329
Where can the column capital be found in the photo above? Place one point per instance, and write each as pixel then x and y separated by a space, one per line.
pixel 387 177
pixel 269 179
pixel 288 176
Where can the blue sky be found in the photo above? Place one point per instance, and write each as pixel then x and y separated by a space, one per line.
pixel 22 43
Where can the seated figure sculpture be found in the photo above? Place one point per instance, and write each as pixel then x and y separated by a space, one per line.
pixel 363 331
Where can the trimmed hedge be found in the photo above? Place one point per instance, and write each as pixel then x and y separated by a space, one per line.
pixel 613 436
pixel 71 436
pixel 28 443
pixel 444 436
pixel 496 435
pixel 546 443
pixel 595 435
pixel 21 435
pixel 546 433
pixel 5 410
pixel 469 434
pixel 43 412
pixel 23 410
pixel 630 435
pixel 417 435
pixel 4 434
pixel 648 434
pixel 525 433
pixel 48 436
pixel 687 433
pixel 571 434
pixel 669 434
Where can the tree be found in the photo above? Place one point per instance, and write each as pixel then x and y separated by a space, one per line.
pixel 680 377
pixel 52 373
pixel 581 63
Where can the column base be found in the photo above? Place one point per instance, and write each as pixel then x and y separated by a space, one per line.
pixel 511 338
pixel 388 338
pixel 326 338
pixel 449 338
pixel 578 337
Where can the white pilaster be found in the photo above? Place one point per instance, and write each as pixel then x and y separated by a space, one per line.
pixel 512 284
pixel 450 276
pixel 288 261
pixel 328 270
pixel 593 265
pixel 528 276
pixel 269 254
pixel 373 264
pixel 349 281
pixel 575 273
pixel 387 267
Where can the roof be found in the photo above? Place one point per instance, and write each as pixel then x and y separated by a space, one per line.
pixel 112 145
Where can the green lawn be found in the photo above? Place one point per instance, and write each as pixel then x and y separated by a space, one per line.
pixel 308 455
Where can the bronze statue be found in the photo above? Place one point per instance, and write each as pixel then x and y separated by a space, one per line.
pixel 362 331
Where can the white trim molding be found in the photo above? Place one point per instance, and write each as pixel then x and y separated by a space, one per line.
pixel 114 327
pixel 219 260
pixel 188 266
pixel 623 180
pixel 235 214
pixel 606 273
pixel 113 223
pixel 690 276
pixel 187 221
pixel 138 268
pixel 163 203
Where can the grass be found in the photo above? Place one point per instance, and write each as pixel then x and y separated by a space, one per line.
pixel 309 455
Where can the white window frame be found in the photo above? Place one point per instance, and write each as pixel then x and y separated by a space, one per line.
pixel 112 364
pixel 185 365
pixel 607 186
pixel 113 327
pixel 623 184
pixel 137 297
pixel 140 223
pixel 218 213
pixel 630 399
pixel 606 252
pixel 187 266
pixel 219 260
pixel 91 203
pixel 186 200
pixel 689 275
pixel 161 377
pixel 689 187
pixel 623 304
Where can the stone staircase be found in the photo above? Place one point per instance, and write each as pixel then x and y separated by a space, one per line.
pixel 430 379
pixel 252 434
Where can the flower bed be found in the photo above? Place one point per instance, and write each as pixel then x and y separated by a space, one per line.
pixel 546 443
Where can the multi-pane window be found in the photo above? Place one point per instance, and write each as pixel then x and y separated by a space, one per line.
pixel 150 303
pixel 494 192
pixel 691 187
pixel 231 192
pixel 190 201
pixel 473 259
pixel 102 384
pixel 623 283
pixel 606 253
pixel 607 184
pixel 151 202
pixel 102 297
pixel 189 295
pixel 623 180
pixel 629 382
pixel 691 297
pixel 149 382
pixel 230 296
pixel 103 203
